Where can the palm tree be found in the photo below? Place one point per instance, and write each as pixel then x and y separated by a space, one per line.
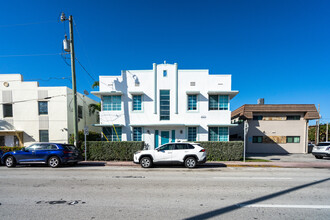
pixel 95 84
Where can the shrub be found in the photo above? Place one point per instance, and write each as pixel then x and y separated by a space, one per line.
pixel 117 150
pixel 7 149
pixel 223 151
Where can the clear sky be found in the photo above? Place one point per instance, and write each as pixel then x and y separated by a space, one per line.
pixel 275 49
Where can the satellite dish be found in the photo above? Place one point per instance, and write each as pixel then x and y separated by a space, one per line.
pixel 86 92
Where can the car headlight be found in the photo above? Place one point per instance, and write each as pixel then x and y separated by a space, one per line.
pixel 137 152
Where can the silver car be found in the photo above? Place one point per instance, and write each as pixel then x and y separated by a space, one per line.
pixel 321 150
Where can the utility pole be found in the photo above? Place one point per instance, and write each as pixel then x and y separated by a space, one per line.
pixel 327 133
pixel 73 71
pixel 318 127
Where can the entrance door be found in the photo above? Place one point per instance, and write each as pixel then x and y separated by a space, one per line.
pixel 165 137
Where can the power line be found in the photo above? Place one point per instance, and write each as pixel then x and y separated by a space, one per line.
pixel 32 23
pixel 86 70
pixel 30 55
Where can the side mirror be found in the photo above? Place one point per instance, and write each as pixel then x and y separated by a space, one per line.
pixel 158 149
pixel 23 149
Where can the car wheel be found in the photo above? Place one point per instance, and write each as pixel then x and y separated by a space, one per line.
pixel 10 161
pixel 146 162
pixel 190 162
pixel 318 157
pixel 53 162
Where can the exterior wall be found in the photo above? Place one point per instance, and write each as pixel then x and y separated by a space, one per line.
pixel 277 129
pixel 202 117
pixel 26 118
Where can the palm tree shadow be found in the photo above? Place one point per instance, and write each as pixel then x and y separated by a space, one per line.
pixel 230 208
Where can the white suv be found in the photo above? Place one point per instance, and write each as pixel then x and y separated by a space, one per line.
pixel 189 154
pixel 321 150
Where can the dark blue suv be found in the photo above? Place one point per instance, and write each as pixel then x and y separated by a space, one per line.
pixel 52 154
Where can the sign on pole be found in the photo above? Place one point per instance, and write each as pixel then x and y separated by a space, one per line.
pixel 86 132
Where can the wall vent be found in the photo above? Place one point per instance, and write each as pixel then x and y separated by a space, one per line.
pixel 192 83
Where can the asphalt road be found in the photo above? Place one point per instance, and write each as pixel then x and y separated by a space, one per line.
pixel 164 193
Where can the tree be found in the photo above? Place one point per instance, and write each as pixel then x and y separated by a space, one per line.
pixel 94 107
pixel 95 84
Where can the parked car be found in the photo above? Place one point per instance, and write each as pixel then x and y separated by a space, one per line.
pixel 1 153
pixel 189 154
pixel 53 154
pixel 321 150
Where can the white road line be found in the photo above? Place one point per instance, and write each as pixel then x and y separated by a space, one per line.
pixel 253 178
pixel 286 206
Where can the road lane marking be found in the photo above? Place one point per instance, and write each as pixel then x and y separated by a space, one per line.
pixel 285 206
pixel 253 178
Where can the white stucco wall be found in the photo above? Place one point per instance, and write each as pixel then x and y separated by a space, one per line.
pixel 204 82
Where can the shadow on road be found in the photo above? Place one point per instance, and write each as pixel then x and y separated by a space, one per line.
pixel 224 210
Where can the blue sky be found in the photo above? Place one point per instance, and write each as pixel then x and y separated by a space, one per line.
pixel 277 50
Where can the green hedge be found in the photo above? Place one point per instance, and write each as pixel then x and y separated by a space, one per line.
pixel 7 149
pixel 119 150
pixel 223 151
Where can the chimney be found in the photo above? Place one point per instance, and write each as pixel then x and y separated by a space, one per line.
pixel 261 101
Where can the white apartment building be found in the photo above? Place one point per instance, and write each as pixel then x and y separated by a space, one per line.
pixel 164 105
pixel 29 113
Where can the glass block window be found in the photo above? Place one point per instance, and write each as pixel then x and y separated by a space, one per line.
pixel 137 102
pixel 293 139
pixel 112 103
pixel 164 104
pixel 43 136
pixel 293 117
pixel 110 133
pixel 218 102
pixel 192 133
pixel 137 134
pixel 257 139
pixel 43 108
pixel 192 102
pixel 218 134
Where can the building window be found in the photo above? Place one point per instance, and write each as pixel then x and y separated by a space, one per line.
pixel 293 139
pixel 137 134
pixel 192 102
pixel 112 133
pixel 192 133
pixel 164 73
pixel 43 108
pixel 7 110
pixel 112 103
pixel 43 136
pixel 218 102
pixel 293 117
pixel 2 141
pixel 257 139
pixel 80 111
pixel 257 117
pixel 137 102
pixel 218 134
pixel 164 104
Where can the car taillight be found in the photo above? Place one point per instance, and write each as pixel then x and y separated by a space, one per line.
pixel 203 150
pixel 67 152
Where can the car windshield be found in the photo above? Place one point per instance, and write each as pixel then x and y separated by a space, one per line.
pixel 323 144
pixel 69 147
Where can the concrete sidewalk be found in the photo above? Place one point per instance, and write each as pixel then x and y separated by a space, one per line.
pixel 215 164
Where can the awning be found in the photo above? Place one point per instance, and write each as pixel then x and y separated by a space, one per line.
pixel 193 92
pixel 231 94
pixel 99 94
pixel 222 125
pixel 108 125
pixel 136 92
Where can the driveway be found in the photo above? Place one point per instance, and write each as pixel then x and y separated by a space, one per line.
pixel 289 158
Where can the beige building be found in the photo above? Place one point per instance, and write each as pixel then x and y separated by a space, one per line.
pixel 29 113
pixel 273 129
